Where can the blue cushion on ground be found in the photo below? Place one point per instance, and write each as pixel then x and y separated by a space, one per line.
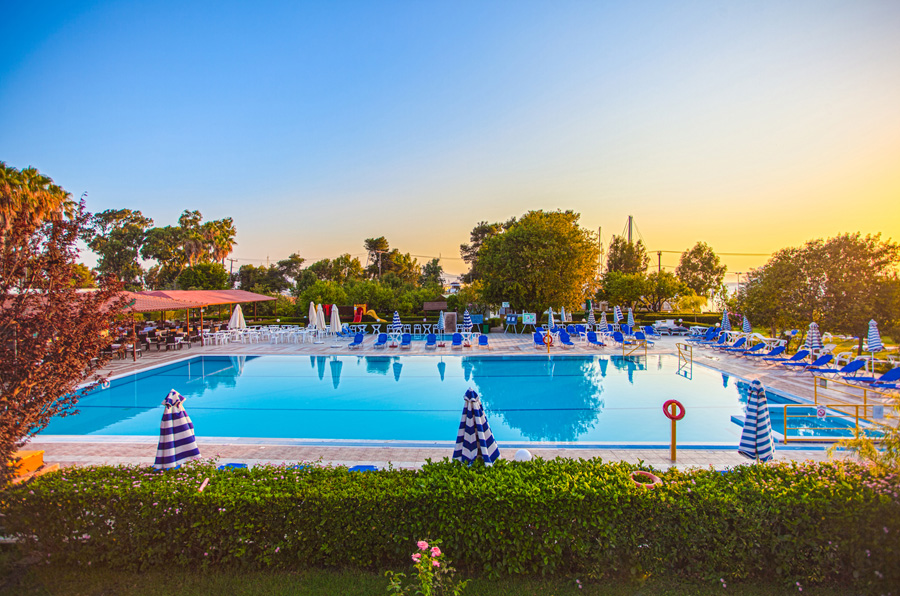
pixel 364 469
pixel 231 466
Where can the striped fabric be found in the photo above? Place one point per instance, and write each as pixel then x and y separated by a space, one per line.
pixel 176 435
pixel 756 438
pixel 603 322
pixel 550 322
pixel 745 326
pixel 874 338
pixel 396 325
pixel 467 320
pixel 591 320
pixel 475 438
pixel 617 312
pixel 440 323
pixel 630 318
pixel 562 315
pixel 814 337
pixel 726 324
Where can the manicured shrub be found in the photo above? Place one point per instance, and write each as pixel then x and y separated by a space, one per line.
pixel 809 523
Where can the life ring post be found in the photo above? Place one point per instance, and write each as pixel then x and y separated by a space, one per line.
pixel 674 411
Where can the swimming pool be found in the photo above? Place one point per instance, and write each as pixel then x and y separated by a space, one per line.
pixel 586 400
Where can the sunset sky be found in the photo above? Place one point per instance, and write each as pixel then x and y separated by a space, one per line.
pixel 749 125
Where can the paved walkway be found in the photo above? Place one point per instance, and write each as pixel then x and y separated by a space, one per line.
pixel 97 450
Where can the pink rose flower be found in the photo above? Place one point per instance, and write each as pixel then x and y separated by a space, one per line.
pixel 422 544
pixel 435 551
pixel 416 557
pixel 436 563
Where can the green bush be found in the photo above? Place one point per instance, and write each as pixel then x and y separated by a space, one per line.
pixel 796 522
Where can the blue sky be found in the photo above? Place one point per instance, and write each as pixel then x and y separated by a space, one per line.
pixel 750 125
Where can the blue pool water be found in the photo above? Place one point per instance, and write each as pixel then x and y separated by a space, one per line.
pixel 590 399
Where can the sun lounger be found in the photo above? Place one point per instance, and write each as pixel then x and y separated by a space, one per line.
pixel 357 341
pixel 800 355
pixel 457 341
pixel 802 366
pixel 405 341
pixel 592 340
pixel 640 336
pixel 755 349
pixel 738 346
pixel 890 376
pixel 773 353
pixel 847 369
pixel 380 341
pixel 430 341
pixel 565 340
pixel 483 342
pixel 538 339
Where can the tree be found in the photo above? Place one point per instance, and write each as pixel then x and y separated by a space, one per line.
pixel 83 277
pixel 321 292
pixel 544 259
pixel 623 289
pixel 30 196
pixel 204 276
pixel 341 269
pixel 469 252
pixel 627 257
pixel 117 236
pixel 661 287
pixel 269 278
pixel 164 246
pixel 291 267
pixel 49 332
pixel 700 269
pixel 375 247
pixel 432 273
pixel 218 236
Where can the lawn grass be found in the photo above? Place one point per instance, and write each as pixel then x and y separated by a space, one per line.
pixel 17 578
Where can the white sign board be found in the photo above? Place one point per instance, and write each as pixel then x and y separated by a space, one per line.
pixel 820 412
pixel 504 305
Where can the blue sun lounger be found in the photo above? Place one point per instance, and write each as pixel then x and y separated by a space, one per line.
pixel 357 341
pixel 801 366
pixel 565 340
pixel 457 341
pixel 592 340
pixel 483 341
pixel 890 376
pixel 640 336
pixel 430 341
pixel 381 341
pixel 773 353
pixel 800 355
pixel 755 349
pixel 850 368
pixel 538 339
pixel 405 341
pixel 738 346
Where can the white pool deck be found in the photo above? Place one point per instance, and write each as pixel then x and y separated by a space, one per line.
pixel 80 451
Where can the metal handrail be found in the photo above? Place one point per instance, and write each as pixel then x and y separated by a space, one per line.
pixel 824 382
pixel 685 353
pixel 850 410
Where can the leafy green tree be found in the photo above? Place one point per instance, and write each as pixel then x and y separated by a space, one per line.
pixel 27 194
pixel 204 276
pixel 623 289
pixel 83 277
pixel 376 247
pixel 627 257
pixel 269 278
pixel 372 293
pixel 291 267
pixel 321 292
pixel 117 236
pixel 544 259
pixel 163 244
pixel 689 301
pixel 469 252
pixel 218 238
pixel 700 269
pixel 432 273
pixel 341 269
pixel 303 281
pixel 661 287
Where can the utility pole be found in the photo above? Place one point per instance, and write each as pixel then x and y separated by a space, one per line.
pixel 659 255
pixel 232 266
pixel 630 221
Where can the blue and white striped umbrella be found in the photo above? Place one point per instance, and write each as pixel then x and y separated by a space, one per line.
pixel 617 314
pixel 562 315
pixel 756 438
pixel 814 337
pixel 176 435
pixel 630 318
pixel 726 324
pixel 591 320
pixel 745 326
pixel 475 438
pixel 874 338
pixel 440 323
pixel 604 325
pixel 550 322
pixel 467 320
pixel 396 324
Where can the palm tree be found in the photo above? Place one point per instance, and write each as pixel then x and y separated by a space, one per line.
pixel 31 195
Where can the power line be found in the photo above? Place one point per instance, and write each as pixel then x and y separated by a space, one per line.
pixel 725 254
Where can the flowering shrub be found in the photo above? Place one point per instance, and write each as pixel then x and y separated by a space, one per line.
pixel 836 523
pixel 433 573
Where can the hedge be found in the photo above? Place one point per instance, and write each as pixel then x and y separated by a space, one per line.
pixel 811 523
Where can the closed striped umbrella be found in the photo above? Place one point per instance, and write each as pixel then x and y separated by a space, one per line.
pixel 814 337
pixel 440 323
pixel 617 314
pixel 550 322
pixel 756 438
pixel 630 318
pixel 726 324
pixel 562 315
pixel 396 324
pixel 176 435
pixel 474 437
pixel 874 338
pixel 591 320
pixel 467 320
pixel 604 324
pixel 745 326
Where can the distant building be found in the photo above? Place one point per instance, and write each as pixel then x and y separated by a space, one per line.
pixel 454 287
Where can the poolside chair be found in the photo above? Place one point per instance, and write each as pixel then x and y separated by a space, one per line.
pixel 890 376
pixel 640 336
pixel 565 340
pixel 483 341
pixel 622 340
pixel 357 341
pixel 538 339
pixel 715 344
pixel 625 329
pixel 649 331
pixel 380 341
pixel 457 341
pixel 802 366
pixel 172 342
pixel 592 340
pixel 848 369
pixel 405 341
pixel 754 349
pixel 800 355
pixel 737 346
pixel 709 335
pixel 363 468
pixel 430 341
pixel 773 353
